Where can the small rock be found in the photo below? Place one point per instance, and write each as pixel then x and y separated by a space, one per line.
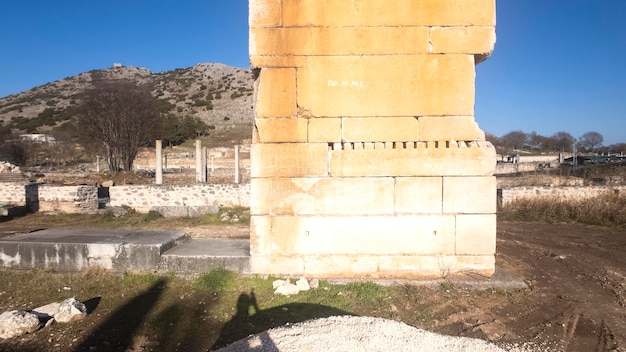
pixel 70 310
pixel 277 283
pixel 287 290
pixel 314 283
pixel 16 323
pixel 303 285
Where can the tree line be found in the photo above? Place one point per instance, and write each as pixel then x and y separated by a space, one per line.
pixel 589 142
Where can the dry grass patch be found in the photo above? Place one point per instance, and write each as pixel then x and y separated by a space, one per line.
pixel 608 209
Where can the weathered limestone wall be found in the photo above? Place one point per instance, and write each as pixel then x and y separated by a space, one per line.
pixel 13 192
pixel 144 198
pixel 68 199
pixel 366 159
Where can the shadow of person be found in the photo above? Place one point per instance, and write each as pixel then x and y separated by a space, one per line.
pixel 244 324
pixel 116 332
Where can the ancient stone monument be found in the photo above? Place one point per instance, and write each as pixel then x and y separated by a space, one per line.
pixel 366 159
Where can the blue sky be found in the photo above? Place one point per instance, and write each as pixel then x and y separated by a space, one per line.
pixel 559 65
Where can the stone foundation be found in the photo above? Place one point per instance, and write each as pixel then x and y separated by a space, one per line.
pixel 366 160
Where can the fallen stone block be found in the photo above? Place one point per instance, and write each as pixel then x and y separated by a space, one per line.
pixel 16 323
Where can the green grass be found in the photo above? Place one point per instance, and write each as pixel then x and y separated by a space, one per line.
pixel 130 279
pixel 217 280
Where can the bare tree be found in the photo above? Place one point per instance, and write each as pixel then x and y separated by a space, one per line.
pixel 563 141
pixel 591 140
pixel 117 117
pixel 514 139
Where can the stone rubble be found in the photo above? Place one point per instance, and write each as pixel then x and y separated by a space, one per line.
pixel 16 323
pixel 286 288
pixel 7 167
pixel 70 310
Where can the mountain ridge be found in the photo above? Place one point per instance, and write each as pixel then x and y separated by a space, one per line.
pixel 218 94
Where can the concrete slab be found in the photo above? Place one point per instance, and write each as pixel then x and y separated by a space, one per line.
pixel 197 256
pixel 76 249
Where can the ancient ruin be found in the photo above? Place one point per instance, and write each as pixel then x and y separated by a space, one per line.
pixel 366 159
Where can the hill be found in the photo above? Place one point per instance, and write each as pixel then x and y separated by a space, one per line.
pixel 220 95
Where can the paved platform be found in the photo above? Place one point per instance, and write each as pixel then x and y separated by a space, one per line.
pixel 202 255
pixel 118 250
pixel 68 249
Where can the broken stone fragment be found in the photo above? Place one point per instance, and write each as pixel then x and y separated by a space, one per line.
pixel 70 310
pixel 277 283
pixel 64 312
pixel 303 284
pixel 285 287
pixel 16 323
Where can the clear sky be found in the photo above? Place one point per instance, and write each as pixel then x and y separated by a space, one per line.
pixel 559 65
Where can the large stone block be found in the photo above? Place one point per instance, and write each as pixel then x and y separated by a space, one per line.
pixel 281 130
pixel 376 13
pixel 277 265
pixel 369 86
pixel 325 130
pixel 418 195
pixel 415 159
pixel 462 40
pixel 323 196
pixel 265 13
pixel 340 266
pixel 315 41
pixel 357 235
pixel 469 195
pixel 381 267
pixel 379 129
pixel 289 160
pixel 260 229
pixel 476 234
pixel 435 266
pixel 460 128
pixel 277 61
pixel 276 93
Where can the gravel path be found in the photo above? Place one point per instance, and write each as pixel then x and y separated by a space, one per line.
pixel 350 333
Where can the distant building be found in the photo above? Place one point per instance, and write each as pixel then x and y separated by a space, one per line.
pixel 37 138
pixel 117 65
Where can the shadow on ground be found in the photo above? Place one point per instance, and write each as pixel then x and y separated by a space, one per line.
pixel 249 319
pixel 117 331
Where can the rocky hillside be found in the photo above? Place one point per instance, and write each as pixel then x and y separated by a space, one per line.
pixel 218 94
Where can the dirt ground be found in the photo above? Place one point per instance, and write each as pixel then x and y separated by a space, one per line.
pixel 576 299
pixel 575 302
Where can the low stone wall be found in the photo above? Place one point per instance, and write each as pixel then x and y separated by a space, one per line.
pixel 39 197
pixel 514 168
pixel 68 199
pixel 144 198
pixel 13 192
pixel 508 195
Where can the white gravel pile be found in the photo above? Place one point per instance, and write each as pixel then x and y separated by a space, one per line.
pixel 350 333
